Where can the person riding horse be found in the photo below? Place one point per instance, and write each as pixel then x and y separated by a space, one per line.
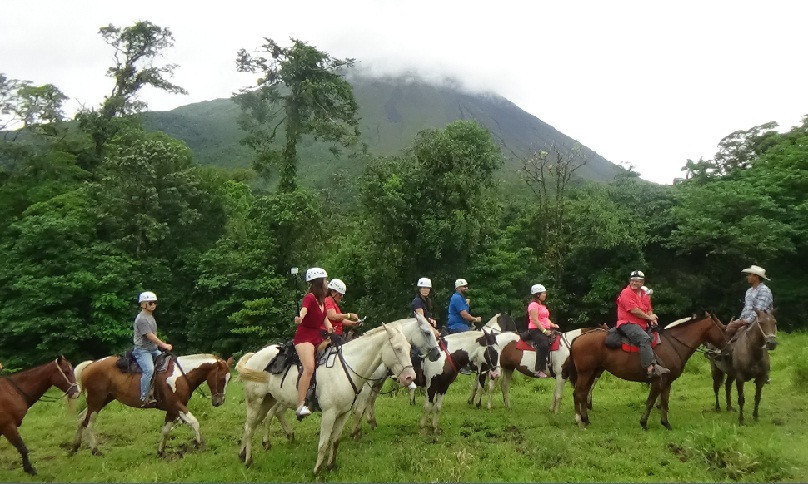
pixel 758 296
pixel 539 328
pixel 459 319
pixel 634 317
pixel 147 344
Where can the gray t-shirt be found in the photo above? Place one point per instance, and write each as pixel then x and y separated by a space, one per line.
pixel 144 323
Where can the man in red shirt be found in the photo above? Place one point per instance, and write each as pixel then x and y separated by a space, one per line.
pixel 634 317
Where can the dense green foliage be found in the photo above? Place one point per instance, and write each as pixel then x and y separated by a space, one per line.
pixel 94 211
pixel 524 444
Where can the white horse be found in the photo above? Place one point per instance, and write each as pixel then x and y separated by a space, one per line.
pixel 418 332
pixel 337 386
pixel 512 359
pixel 478 348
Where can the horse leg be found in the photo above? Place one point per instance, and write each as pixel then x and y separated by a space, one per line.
pixel 13 436
pixel 79 431
pixel 759 382
pixel 370 412
pixel 336 436
pixel 323 447
pixel 664 398
pixel 187 417
pixel 256 411
pixel 436 412
pixel 741 399
pixel 718 379
pixel 478 383
pixel 507 376
pixel 167 426
pixel 582 385
pixel 728 385
pixel 649 403
pixel 490 391
pixel 280 413
pixel 428 404
pixel 555 406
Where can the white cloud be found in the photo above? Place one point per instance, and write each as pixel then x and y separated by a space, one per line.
pixel 648 83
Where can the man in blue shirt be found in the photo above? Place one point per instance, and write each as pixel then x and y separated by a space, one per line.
pixel 459 318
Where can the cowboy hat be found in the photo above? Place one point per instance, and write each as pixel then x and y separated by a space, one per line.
pixel 757 270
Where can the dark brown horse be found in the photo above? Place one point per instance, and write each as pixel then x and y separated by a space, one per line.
pixel 590 356
pixel 104 382
pixel 749 359
pixel 21 390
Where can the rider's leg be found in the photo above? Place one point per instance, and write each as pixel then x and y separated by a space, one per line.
pixel 640 338
pixel 542 345
pixel 305 351
pixel 144 361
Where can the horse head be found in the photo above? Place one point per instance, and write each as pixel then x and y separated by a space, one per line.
pixel 426 338
pixel 64 379
pixel 396 355
pixel 217 378
pixel 491 353
pixel 768 326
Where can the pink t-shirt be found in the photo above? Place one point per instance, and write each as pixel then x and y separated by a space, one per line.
pixel 544 316
pixel 628 300
pixel 336 323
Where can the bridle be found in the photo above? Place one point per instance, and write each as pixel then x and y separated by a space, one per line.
pixel 346 367
pixel 30 401
pixel 692 348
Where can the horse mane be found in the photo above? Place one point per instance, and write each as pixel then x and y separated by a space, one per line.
pixel 26 370
pixel 193 361
pixel 679 322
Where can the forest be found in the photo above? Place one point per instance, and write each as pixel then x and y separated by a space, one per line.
pixel 95 209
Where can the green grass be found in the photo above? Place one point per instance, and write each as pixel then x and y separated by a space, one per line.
pixel 524 444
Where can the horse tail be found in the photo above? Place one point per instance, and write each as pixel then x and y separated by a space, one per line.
pixel 568 370
pixel 77 371
pixel 248 374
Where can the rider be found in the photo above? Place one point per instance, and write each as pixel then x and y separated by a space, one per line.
pixel 539 327
pixel 309 333
pixel 336 291
pixel 147 343
pixel 459 319
pixel 422 304
pixel 634 315
pixel 758 296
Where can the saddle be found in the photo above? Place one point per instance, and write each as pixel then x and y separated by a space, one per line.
pixel 615 339
pixel 525 345
pixel 128 364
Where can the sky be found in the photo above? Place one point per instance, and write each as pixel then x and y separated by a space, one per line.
pixel 647 84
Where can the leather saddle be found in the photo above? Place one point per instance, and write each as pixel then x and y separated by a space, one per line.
pixel 128 364
pixel 616 339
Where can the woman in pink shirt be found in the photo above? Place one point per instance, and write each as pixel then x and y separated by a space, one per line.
pixel 539 327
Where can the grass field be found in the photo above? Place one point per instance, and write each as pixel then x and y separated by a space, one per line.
pixel 526 443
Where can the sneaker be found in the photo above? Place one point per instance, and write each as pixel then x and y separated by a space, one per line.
pixel 658 370
pixel 148 402
pixel 540 374
pixel 302 412
pixel 412 386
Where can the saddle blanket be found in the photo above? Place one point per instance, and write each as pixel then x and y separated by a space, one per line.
pixel 525 346
pixel 615 339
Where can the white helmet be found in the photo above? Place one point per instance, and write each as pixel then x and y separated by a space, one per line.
pixel 147 296
pixel 460 283
pixel 337 285
pixel 315 273
pixel 537 289
pixel 424 282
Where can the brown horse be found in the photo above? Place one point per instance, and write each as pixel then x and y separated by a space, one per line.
pixel 590 356
pixel 104 382
pixel 749 359
pixel 21 390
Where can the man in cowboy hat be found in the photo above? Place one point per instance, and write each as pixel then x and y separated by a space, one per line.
pixel 759 296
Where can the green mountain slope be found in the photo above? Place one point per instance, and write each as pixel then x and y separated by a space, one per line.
pixel 392 111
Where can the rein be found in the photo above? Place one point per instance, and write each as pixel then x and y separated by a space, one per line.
pixel 44 398
pixel 346 367
pixel 691 348
pixel 199 388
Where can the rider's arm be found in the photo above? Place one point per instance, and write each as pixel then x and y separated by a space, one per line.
pixel 333 315
pixel 468 317
pixel 154 339
pixel 642 315
pixel 534 316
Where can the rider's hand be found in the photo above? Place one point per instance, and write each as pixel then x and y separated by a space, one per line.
pixel 298 320
pixel 167 347
pixel 478 320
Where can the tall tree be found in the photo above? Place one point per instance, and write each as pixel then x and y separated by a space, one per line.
pixel 302 90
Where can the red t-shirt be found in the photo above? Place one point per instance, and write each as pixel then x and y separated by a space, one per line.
pixel 309 330
pixel 628 300
pixel 336 323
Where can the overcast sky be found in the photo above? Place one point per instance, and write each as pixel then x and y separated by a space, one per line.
pixel 645 83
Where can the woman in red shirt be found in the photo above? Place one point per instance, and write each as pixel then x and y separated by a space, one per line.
pixel 336 290
pixel 309 333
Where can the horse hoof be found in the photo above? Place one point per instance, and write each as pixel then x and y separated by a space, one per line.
pixel 644 425
pixel 97 452
pixel 266 444
pixel 31 470
pixel 290 437
pixel 667 425
pixel 242 456
pixel 582 425
pixel 159 453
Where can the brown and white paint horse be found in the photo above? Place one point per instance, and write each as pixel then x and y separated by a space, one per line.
pixel 514 359
pixel 19 391
pixel 104 382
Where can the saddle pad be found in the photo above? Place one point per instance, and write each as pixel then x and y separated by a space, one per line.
pixel 525 346
pixel 630 348
pixel 128 364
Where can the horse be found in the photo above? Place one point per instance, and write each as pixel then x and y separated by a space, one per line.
pixel 338 386
pixel 589 356
pixel 513 358
pixel 19 391
pixel 749 358
pixel 418 332
pixel 478 348
pixel 103 382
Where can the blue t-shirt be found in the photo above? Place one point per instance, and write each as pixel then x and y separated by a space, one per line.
pixel 456 323
pixel 419 303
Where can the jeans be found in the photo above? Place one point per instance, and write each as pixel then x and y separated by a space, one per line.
pixel 642 340
pixel 146 364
